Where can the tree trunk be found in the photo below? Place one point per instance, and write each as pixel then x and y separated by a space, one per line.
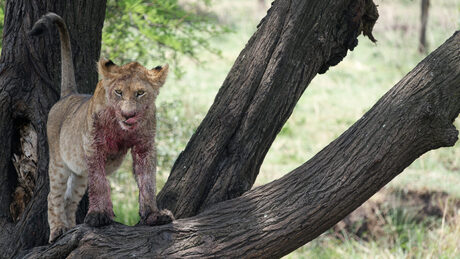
pixel 29 86
pixel 261 4
pixel 270 221
pixel 424 21
pixel 295 41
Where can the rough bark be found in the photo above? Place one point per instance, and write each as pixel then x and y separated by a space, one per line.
pixel 295 41
pixel 415 116
pixel 29 86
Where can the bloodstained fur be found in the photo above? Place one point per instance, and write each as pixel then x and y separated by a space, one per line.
pixel 110 140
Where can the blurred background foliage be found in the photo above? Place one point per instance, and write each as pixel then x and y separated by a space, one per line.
pixel 2 17
pixel 159 31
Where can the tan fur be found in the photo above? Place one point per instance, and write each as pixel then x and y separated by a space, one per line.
pixel 70 138
pixel 74 129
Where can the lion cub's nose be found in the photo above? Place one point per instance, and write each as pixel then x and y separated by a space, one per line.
pixel 128 115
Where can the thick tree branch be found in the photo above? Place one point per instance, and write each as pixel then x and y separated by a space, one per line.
pixel 296 40
pixel 415 116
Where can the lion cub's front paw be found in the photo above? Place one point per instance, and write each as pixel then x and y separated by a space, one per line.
pixel 59 231
pixel 98 219
pixel 157 218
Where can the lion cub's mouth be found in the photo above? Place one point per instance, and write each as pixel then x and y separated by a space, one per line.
pixel 128 124
pixel 130 121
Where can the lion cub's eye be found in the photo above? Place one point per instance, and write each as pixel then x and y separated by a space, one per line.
pixel 140 93
pixel 118 92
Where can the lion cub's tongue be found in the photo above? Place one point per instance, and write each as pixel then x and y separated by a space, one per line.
pixel 131 121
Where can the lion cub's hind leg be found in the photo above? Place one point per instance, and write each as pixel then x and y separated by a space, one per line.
pixel 57 219
pixel 76 187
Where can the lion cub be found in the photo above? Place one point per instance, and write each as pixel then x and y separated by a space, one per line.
pixel 88 137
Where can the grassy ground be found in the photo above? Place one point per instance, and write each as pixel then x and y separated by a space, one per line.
pixel 331 104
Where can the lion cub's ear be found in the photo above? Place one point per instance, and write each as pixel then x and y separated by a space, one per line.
pixel 158 75
pixel 106 68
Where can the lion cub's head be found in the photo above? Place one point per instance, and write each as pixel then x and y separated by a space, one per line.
pixel 131 90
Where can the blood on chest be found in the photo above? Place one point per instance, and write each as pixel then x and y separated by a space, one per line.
pixel 110 138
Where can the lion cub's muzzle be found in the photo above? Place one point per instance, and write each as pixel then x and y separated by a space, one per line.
pixel 129 120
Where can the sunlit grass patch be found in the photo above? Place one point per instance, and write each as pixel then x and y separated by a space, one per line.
pixel 396 230
pixel 124 193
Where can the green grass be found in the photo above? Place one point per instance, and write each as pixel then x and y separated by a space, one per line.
pixel 331 104
pixel 403 238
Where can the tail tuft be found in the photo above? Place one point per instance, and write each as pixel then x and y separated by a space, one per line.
pixel 44 24
pixel 38 29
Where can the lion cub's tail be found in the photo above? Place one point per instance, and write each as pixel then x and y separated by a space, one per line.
pixel 68 85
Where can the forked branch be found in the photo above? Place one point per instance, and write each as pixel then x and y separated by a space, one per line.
pixel 295 41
